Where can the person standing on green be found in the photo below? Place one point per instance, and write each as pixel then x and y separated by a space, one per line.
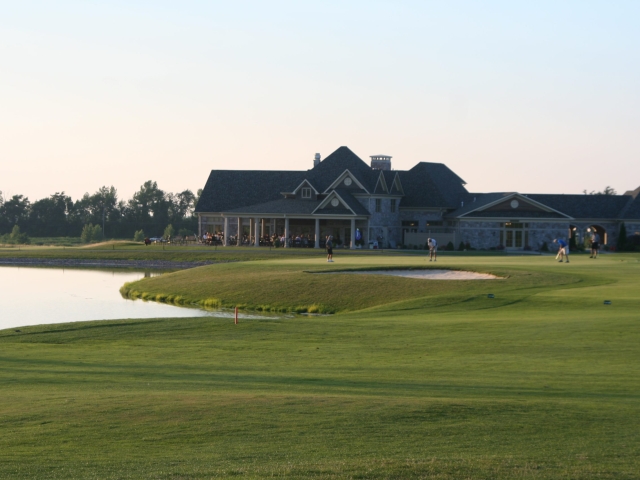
pixel 433 249
pixel 563 252
pixel 595 244
pixel 329 246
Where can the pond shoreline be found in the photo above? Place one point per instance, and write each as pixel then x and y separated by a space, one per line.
pixel 78 262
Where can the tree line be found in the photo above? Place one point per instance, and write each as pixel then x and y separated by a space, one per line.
pixel 150 210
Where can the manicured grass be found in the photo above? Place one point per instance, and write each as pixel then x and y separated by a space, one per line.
pixel 129 251
pixel 541 382
pixel 125 250
pixel 291 285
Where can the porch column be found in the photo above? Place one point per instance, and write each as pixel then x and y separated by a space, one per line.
pixel 262 227
pixel 353 233
pixel 239 240
pixel 199 226
pixel 317 244
pixel 225 238
pixel 257 234
pixel 368 238
pixel 286 232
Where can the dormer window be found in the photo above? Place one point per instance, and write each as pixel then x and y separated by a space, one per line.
pixel 306 192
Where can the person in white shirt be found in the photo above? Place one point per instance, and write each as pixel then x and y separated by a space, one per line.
pixel 433 248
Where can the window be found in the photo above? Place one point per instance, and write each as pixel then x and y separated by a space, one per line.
pixel 393 205
pixel 378 205
pixel 306 193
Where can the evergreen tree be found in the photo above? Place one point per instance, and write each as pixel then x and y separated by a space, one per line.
pixel 622 237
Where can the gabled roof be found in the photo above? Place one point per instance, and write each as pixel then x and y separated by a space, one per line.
pixel 477 201
pixel 585 206
pixel 565 206
pixel 396 185
pixel 349 204
pixel 340 178
pixel 305 182
pixel 381 185
pixel 481 204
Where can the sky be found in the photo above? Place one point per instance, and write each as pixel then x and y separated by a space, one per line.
pixel 535 97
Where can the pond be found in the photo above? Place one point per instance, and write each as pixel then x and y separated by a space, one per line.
pixel 35 296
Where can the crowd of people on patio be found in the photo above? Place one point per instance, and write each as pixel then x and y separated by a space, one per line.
pixel 300 240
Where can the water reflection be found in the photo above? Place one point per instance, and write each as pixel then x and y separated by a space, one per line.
pixel 34 296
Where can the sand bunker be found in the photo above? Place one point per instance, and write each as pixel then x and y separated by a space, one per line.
pixel 427 274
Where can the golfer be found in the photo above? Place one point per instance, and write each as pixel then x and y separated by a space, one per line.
pixel 329 246
pixel 595 244
pixel 433 249
pixel 563 251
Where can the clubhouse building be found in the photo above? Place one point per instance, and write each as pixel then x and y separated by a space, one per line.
pixel 342 195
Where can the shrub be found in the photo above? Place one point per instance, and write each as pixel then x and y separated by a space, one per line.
pixel 450 247
pixel 500 247
pixel 185 232
pixel 168 232
pixel 87 233
pixel 97 233
pixel 15 237
pixel 467 245
pixel 527 248
pixel 138 236
pixel 461 246
pixel 544 247
pixel 633 243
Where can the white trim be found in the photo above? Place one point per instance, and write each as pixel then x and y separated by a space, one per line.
pixel 302 183
pixel 340 178
pixel 384 184
pixel 399 183
pixel 524 198
pixel 330 197
pixel 304 190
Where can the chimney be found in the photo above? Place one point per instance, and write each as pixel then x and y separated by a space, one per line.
pixel 380 162
pixel 316 160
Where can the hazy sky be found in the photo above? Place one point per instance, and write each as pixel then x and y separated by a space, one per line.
pixel 526 96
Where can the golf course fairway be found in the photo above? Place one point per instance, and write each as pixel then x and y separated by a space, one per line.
pixel 409 378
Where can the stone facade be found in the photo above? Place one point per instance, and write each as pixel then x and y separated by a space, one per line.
pixel 479 234
pixel 484 234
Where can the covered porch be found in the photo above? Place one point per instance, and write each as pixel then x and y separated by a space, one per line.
pixel 308 231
